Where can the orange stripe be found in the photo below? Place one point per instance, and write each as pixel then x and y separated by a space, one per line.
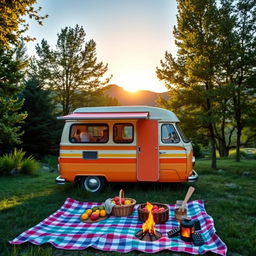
pixel 173 160
pixel 99 147
pixel 97 161
pixel 171 148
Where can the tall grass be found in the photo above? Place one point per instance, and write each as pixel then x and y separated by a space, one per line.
pixel 16 162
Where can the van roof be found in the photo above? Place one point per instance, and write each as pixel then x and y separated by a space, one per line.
pixel 153 112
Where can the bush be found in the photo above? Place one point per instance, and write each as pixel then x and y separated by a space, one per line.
pixel 246 153
pixel 30 166
pixel 197 151
pixel 6 165
pixel 16 162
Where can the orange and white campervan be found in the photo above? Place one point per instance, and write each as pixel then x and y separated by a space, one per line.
pixel 123 144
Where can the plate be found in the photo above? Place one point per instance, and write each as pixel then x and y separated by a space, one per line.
pixel 92 221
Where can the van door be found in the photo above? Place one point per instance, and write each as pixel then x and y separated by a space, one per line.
pixel 147 150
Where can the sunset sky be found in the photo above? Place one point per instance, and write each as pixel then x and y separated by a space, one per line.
pixel 131 35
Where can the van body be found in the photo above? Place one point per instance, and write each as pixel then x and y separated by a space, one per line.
pixel 123 144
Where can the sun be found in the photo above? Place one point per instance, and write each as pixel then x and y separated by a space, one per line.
pixel 134 80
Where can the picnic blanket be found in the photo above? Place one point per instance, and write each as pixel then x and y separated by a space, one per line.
pixel 64 230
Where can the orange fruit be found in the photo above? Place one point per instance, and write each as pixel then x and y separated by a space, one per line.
pixel 88 211
pixel 127 202
pixel 103 213
pixel 84 216
pixel 98 212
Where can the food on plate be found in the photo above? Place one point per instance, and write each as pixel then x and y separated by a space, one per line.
pixel 103 213
pixel 94 216
pixel 84 216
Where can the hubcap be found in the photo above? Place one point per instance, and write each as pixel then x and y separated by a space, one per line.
pixel 92 184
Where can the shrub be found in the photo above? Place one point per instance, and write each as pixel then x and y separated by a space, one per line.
pixel 16 162
pixel 7 164
pixel 246 153
pixel 30 166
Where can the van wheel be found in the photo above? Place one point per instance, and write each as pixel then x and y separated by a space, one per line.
pixel 93 184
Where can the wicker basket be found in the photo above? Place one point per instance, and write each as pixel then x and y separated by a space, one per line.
pixel 123 210
pixel 159 217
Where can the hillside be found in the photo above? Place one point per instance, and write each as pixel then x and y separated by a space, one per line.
pixel 141 97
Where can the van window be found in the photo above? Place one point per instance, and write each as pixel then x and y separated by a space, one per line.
pixel 169 134
pixel 89 133
pixel 183 136
pixel 123 133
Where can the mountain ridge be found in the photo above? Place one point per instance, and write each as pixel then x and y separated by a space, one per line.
pixel 140 97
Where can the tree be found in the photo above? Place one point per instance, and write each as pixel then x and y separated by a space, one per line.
pixel 12 22
pixel 189 77
pixel 212 79
pixel 71 70
pixel 11 75
pixel 41 130
pixel 238 37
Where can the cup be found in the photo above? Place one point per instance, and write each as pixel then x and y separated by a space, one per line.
pixel 180 214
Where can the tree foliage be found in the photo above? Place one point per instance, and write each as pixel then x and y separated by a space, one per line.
pixel 11 75
pixel 41 129
pixel 12 21
pixel 71 70
pixel 204 77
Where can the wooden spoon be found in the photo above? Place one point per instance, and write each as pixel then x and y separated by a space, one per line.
pixel 188 195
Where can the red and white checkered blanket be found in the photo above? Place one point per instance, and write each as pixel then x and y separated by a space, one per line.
pixel 65 230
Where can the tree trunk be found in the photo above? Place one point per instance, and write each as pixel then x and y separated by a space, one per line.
pixel 238 143
pixel 214 159
pixel 223 149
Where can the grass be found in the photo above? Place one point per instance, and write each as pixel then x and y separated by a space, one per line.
pixel 229 195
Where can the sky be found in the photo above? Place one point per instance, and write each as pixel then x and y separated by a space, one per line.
pixel 131 35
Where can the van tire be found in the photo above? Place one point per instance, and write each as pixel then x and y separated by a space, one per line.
pixel 93 184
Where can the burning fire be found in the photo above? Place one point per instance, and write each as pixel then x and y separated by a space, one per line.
pixel 186 232
pixel 148 225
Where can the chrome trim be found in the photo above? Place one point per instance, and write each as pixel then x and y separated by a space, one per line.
pixel 193 177
pixel 193 161
pixel 60 180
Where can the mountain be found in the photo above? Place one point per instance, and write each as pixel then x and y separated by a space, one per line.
pixel 141 97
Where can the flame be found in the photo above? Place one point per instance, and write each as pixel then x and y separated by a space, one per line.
pixel 186 232
pixel 149 224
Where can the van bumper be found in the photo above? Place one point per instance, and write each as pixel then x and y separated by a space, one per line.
pixel 193 177
pixel 60 180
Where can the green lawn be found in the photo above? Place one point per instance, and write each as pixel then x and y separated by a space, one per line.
pixel 229 196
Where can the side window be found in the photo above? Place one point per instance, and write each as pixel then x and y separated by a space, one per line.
pixel 123 133
pixel 169 134
pixel 89 133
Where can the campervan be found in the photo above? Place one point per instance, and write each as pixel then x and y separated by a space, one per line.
pixel 123 144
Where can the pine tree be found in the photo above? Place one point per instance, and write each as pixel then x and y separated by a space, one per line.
pixel 71 70
pixel 41 130
pixel 238 38
pixel 212 80
pixel 11 75
pixel 189 77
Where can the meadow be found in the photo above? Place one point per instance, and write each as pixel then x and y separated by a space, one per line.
pixel 228 193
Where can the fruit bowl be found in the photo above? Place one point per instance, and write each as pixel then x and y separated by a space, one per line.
pixel 160 212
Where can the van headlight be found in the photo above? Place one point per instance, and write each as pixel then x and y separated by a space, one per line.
pixel 193 160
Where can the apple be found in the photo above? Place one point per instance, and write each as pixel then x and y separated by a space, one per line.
pixel 145 209
pixel 155 210
pixel 155 207
pixel 94 216
pixel 122 201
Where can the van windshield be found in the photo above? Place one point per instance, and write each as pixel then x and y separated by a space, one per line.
pixel 183 136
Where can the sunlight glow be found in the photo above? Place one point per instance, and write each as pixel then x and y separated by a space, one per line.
pixel 135 80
